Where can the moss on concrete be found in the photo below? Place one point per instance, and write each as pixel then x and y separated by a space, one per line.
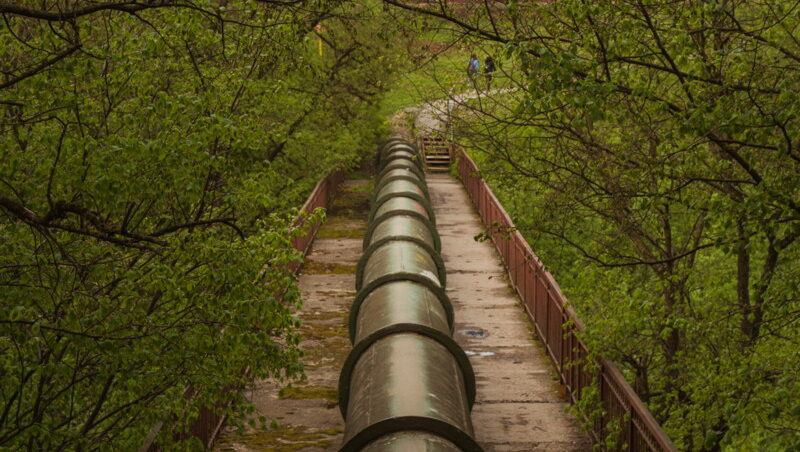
pixel 328 268
pixel 321 331
pixel 281 439
pixel 328 394
pixel 337 228
pixel 328 353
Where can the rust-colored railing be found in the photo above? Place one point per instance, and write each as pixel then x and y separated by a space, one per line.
pixel 319 197
pixel 557 326
pixel 210 420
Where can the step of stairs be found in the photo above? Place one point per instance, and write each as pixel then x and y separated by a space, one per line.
pixel 436 151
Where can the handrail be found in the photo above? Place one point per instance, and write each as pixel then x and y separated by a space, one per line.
pixel 558 326
pixel 210 420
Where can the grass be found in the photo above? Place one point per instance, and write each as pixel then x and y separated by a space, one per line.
pixel 439 74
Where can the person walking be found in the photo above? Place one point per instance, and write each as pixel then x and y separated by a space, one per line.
pixel 473 69
pixel 488 64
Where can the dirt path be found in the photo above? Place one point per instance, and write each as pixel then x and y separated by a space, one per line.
pixel 431 118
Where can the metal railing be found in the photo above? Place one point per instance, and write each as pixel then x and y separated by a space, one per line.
pixel 211 419
pixel 558 326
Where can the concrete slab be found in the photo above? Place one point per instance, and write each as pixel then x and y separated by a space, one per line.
pixel 520 406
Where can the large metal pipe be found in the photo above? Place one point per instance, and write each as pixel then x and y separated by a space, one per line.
pixel 408 227
pixel 417 303
pixel 400 259
pixel 397 146
pixel 405 165
pixel 401 206
pixel 407 381
pixel 401 174
pixel 400 187
pixel 405 441
pixel 403 156
pixel 406 385
pixel 398 202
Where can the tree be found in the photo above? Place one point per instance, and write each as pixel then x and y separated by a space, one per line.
pixel 152 157
pixel 657 142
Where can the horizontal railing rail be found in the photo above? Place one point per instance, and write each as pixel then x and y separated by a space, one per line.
pixel 558 326
pixel 211 420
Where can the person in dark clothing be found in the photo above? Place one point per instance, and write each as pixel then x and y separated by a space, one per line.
pixel 488 69
pixel 473 69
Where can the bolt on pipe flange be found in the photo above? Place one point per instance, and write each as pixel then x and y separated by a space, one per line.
pixel 421 387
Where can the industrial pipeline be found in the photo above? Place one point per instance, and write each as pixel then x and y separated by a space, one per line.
pixel 406 385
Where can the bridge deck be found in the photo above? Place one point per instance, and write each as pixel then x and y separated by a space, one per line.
pixel 519 407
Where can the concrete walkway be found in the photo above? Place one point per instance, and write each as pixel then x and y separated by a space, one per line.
pixel 305 416
pixel 520 405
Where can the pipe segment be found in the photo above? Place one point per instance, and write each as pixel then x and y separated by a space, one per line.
pixel 398 174
pixel 406 385
pixel 407 381
pixel 400 191
pixel 418 301
pixel 405 165
pixel 402 156
pixel 400 259
pixel 390 147
pixel 408 227
pixel 405 441
pixel 418 332
pixel 400 187
pixel 402 206
pixel 384 157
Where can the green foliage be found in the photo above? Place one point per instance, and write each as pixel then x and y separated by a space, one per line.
pixel 650 156
pixel 148 184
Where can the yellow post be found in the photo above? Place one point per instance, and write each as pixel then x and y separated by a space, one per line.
pixel 319 45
